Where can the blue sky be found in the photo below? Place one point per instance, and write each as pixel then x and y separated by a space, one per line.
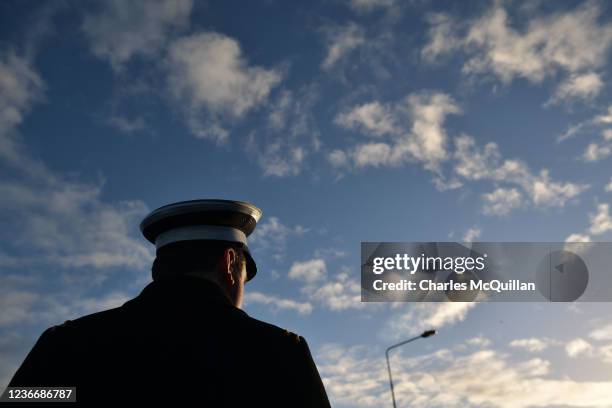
pixel 345 121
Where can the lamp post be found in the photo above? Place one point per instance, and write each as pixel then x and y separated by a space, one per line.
pixel 427 333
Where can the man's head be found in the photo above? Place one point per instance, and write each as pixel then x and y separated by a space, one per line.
pixel 221 262
pixel 206 238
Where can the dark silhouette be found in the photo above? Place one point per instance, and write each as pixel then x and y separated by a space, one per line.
pixel 184 338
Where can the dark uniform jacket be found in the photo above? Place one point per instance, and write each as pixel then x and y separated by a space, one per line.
pixel 182 341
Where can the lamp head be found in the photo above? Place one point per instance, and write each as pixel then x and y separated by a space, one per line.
pixel 428 333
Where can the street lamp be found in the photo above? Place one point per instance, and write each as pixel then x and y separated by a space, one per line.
pixel 426 333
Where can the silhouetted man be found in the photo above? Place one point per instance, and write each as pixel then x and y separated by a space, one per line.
pixel 184 338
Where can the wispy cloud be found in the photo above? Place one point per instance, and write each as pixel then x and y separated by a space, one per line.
pixel 64 221
pixel 471 234
pixel 532 344
pixel 277 303
pixel 273 235
pixel 357 376
pixel 502 201
pixel 602 333
pixel 210 77
pixel 424 316
pixel 577 347
pixel 338 292
pixel 292 136
pixel 370 118
pixel 597 122
pixel 118 31
pixel 127 125
pixel 572 42
pixel 578 87
pixel 600 222
pixel 20 88
pixel 341 41
pixel 486 163
pixel 423 113
pixel 427 143
pixel 308 271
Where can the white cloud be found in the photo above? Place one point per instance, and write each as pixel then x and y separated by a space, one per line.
pixel 442 37
pixel 272 231
pixel 601 221
pixel 602 333
pixel 478 341
pixel 277 303
pixel 424 113
pixel 572 131
pixel 516 185
pixel 605 353
pixel 373 117
pixel 581 347
pixel 473 163
pixel 277 157
pixel 596 151
pixel 127 125
pixel 338 158
pixel 578 238
pixel 502 201
pixel 57 220
pixel 487 164
pixel 425 316
pixel 281 109
pixel 339 294
pixel 16 305
pixel 577 347
pixel 597 121
pixel 20 88
pixel 282 150
pixel 209 75
pixel 457 377
pixel 67 224
pixel 532 344
pixel 272 235
pixel 375 155
pixel 471 234
pixel 578 243
pixel 428 112
pixel 308 271
pixel 574 42
pixel 608 187
pixel 120 30
pixel 341 42
pixel 547 193
pixel 604 118
pixel 578 86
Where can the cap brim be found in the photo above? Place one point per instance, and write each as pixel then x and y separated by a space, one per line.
pixel 251 266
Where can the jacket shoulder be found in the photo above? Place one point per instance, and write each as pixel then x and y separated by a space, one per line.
pixel 94 322
pixel 274 333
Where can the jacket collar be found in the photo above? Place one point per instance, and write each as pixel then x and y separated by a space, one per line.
pixel 184 290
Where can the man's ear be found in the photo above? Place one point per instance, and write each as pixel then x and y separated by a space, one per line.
pixel 227 265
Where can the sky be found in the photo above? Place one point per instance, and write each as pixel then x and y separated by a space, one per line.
pixel 344 121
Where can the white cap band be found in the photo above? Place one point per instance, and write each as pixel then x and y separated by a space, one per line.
pixel 195 232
